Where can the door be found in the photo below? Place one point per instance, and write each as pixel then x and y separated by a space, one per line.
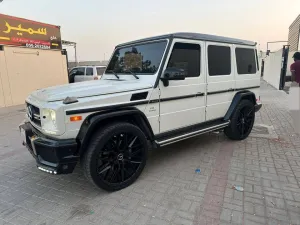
pixel 79 74
pixel 220 79
pixel 182 102
pixel 247 69
pixel 89 74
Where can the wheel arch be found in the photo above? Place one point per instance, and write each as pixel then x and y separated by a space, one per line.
pixel 239 96
pixel 101 119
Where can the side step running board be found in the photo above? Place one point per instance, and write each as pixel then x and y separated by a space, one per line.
pixel 192 134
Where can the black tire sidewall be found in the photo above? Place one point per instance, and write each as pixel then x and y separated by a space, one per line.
pixel 232 131
pixel 100 141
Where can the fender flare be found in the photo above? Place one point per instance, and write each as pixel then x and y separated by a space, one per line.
pixel 92 122
pixel 239 96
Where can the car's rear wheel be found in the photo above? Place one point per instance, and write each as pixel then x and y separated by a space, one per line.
pixel 242 121
pixel 116 156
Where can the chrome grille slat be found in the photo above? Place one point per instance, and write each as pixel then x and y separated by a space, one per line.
pixel 35 114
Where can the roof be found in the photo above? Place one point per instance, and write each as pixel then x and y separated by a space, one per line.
pixel 194 36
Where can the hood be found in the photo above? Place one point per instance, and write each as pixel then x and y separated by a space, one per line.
pixel 88 88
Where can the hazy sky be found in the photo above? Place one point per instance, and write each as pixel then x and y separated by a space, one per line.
pixel 97 26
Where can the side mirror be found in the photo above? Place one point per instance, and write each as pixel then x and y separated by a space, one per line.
pixel 172 74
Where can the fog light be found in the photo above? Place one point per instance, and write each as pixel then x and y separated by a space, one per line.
pixel 46 170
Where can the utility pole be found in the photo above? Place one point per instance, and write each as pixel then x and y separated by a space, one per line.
pixel 76 61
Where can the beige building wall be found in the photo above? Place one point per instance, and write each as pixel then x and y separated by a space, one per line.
pixel 23 70
pixel 294 30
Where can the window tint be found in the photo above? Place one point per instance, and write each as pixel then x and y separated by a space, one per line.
pixel 186 56
pixel 80 71
pixel 89 71
pixel 140 59
pixel 245 60
pixel 100 70
pixel 219 60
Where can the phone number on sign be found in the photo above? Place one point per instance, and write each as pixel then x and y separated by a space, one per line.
pixel 37 46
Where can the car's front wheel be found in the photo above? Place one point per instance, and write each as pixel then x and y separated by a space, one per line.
pixel 242 121
pixel 116 156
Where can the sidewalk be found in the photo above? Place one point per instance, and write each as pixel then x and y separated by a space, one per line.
pixel 266 165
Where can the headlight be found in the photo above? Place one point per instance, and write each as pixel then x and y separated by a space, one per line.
pixel 49 121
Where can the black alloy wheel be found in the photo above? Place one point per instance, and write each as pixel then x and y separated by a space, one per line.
pixel 242 121
pixel 245 120
pixel 120 158
pixel 116 156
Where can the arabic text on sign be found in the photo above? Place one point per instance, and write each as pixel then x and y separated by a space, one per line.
pixel 41 31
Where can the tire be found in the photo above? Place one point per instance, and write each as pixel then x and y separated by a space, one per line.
pixel 116 156
pixel 242 121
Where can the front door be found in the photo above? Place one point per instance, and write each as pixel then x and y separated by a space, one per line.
pixel 182 102
pixel 220 79
pixel 80 74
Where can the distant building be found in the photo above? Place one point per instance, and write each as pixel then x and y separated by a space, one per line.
pixel 72 64
pixel 294 31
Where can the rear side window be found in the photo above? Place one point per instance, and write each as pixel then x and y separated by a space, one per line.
pixel 219 60
pixel 100 70
pixel 89 71
pixel 245 60
pixel 186 56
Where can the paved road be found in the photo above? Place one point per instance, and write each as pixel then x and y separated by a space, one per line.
pixel 266 165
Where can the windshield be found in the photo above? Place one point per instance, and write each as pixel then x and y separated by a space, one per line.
pixel 140 59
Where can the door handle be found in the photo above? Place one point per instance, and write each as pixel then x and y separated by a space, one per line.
pixel 199 94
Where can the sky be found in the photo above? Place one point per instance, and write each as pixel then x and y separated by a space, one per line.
pixel 98 26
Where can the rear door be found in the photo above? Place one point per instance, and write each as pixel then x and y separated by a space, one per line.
pixel 79 75
pixel 220 79
pixel 247 69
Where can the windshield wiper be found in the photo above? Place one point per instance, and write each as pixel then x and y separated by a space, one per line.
pixel 114 73
pixel 133 74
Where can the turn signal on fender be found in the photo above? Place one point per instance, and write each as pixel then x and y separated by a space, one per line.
pixel 75 118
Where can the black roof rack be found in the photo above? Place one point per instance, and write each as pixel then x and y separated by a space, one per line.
pixel 193 36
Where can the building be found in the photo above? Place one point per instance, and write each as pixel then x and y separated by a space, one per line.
pixel 294 31
pixel 87 63
pixel 31 57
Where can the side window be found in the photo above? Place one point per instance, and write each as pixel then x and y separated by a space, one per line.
pixel 89 71
pixel 73 71
pixel 245 60
pixel 186 56
pixel 219 60
pixel 80 71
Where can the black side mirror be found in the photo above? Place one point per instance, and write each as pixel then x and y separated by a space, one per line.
pixel 172 74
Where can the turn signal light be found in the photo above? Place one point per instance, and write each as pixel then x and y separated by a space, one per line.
pixel 75 118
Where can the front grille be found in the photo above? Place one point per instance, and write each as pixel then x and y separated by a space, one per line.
pixel 33 113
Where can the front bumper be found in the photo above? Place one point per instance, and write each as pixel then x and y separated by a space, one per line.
pixel 258 106
pixel 52 156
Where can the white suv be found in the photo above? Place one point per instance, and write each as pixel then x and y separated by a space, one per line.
pixel 154 92
pixel 86 73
